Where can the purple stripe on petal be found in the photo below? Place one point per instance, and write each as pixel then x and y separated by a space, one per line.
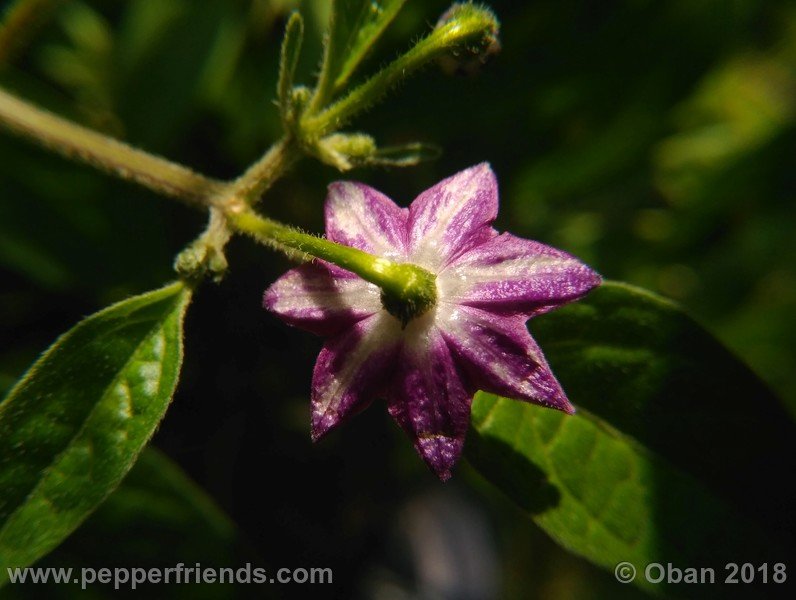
pixel 500 356
pixel 511 274
pixel 314 297
pixel 429 401
pixel 351 369
pixel 359 216
pixel 448 219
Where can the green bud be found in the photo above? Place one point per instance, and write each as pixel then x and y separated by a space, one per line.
pixel 468 59
pixel 190 263
pixel 200 260
pixel 471 17
pixel 345 150
pixel 295 105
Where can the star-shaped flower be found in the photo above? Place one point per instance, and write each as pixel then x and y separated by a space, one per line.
pixel 474 336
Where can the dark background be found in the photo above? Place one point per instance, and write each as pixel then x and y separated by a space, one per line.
pixel 655 140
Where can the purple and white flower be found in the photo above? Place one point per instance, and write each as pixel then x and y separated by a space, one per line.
pixel 474 337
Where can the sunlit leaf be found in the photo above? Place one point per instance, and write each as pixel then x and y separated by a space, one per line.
pixel 75 423
pixel 678 453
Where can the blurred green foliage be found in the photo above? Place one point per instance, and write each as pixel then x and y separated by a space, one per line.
pixel 156 517
pixel 655 140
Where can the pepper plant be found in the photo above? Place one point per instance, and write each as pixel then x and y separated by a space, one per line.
pixel 658 427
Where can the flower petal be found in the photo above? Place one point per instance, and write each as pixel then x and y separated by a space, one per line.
pixel 359 216
pixel 430 402
pixel 500 356
pixel 451 217
pixel 321 299
pixel 511 274
pixel 351 368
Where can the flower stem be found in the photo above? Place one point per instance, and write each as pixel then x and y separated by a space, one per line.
pixel 107 154
pixel 405 284
pixel 233 199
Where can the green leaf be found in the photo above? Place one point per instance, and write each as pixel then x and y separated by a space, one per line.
pixel 355 26
pixel 678 452
pixel 288 59
pixel 75 423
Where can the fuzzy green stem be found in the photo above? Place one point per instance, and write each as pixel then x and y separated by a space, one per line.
pixel 107 154
pixel 254 182
pixel 408 290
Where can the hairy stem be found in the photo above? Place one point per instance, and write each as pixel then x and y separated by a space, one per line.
pixel 253 183
pixel 107 154
pixel 405 284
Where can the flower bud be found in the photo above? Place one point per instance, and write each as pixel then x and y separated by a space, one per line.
pixel 468 59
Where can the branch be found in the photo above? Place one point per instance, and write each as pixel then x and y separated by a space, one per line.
pixel 254 182
pixel 112 156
